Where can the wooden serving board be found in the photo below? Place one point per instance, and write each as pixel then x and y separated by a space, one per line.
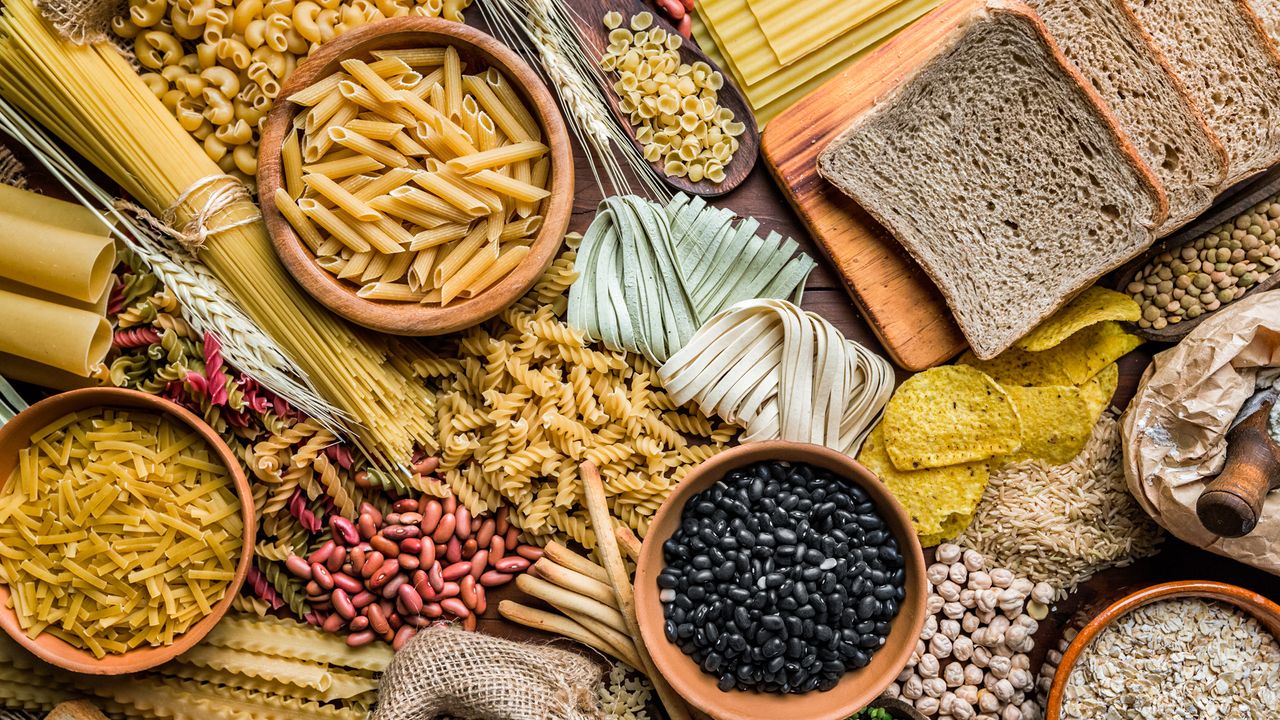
pixel 899 301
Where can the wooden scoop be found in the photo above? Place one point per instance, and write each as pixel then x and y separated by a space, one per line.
pixel 1230 505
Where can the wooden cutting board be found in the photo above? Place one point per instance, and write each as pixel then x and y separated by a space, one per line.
pixel 899 301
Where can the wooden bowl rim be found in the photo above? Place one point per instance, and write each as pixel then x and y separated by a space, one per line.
pixel 1256 605
pixel 66 656
pixel 409 318
pixel 857 689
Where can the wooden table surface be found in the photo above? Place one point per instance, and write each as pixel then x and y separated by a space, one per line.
pixel 759 198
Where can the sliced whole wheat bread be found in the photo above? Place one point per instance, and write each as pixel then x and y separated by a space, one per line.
pixel 1219 50
pixel 1268 11
pixel 1002 173
pixel 1112 51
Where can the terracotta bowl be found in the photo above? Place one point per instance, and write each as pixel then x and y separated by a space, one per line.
pixel 1265 611
pixel 14 436
pixel 858 688
pixel 475 48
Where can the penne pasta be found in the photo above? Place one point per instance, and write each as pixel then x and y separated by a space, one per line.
pixel 436 184
pixel 370 80
pixel 413 57
pixel 506 262
pixel 336 227
pixel 375 130
pixel 298 220
pixel 397 292
pixel 506 94
pixel 386 155
pixel 344 167
pixel 341 198
pixel 452 83
pixel 505 155
pixel 437 236
pixel 510 187
pixel 291 163
pixel 384 184
pixel 502 116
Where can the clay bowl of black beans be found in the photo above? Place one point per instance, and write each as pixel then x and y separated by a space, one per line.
pixel 780 580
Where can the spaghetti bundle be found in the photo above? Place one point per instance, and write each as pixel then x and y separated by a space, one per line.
pixel 91 98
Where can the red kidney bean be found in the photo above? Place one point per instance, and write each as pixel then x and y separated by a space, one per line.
pixel 688 5
pixel 345 529
pixel 419 621
pixel 320 574
pixel 444 530
pixel 362 599
pixel 426 466
pixel 409 561
pixel 431 517
pixel 453 550
pixel 428 593
pixel 436 577
pixel 383 574
pixel 462 524
pixel 412 546
pixel 501 523
pixel 377 619
pixel 361 479
pixel 392 519
pixel 469 548
pixel 493 578
pixel 400 532
pixel 299 567
pixel 485 533
pixel 412 601
pixel 532 553
pixel 358 623
pixel 497 548
pixel 342 603
pixel 479 563
pixel 673 9
pixel 481 602
pixel 685 28
pixel 469 623
pixel 347 583
pixel 450 589
pixel 369 508
pixel 428 553
pixel 410 518
pixel 333 623
pixel 336 560
pixel 513 564
pixel 357 557
pixel 384 545
pixel 404 505
pixel 512 538
pixel 403 636
pixel 313 588
pixel 323 552
pixel 363 637
pixel 450 505
pixel 467 591
pixel 432 610
pixel 366 526
pixel 372 562
pixel 456 570
pixel 394 584
pixel 455 606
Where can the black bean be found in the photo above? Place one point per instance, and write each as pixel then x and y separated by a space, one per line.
pixel 669 629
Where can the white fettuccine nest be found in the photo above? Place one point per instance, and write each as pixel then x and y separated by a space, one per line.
pixel 1175 430
pixel 781 373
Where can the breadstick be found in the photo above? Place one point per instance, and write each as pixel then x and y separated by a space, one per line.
pixel 565 557
pixel 561 598
pixel 575 581
pixel 628 541
pixel 558 625
pixel 614 639
pixel 607 545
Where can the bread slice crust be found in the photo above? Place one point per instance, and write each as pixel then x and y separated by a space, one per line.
pixel 968 284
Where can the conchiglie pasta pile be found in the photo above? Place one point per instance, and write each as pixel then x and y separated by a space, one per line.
pixel 673 106
pixel 218 65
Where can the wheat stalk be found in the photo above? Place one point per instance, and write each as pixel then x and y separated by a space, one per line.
pixel 546 30
pixel 200 294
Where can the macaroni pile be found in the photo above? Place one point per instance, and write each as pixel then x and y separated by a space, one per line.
pixel 117 529
pixel 427 186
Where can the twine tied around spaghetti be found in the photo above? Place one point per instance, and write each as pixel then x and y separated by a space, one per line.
pixel 224 192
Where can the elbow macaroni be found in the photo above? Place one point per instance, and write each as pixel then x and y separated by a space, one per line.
pixel 218 65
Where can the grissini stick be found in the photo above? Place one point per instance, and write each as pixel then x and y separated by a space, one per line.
pixel 565 557
pixel 574 581
pixel 561 625
pixel 628 541
pixel 561 598
pixel 607 545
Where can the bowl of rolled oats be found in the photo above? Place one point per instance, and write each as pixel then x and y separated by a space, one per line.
pixel 1177 649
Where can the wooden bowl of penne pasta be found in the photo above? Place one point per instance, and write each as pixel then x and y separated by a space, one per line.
pixel 127 530
pixel 416 176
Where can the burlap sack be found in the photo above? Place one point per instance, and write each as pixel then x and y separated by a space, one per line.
pixel 82 21
pixel 12 171
pixel 445 672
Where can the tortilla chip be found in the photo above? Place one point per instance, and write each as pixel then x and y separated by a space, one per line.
pixel 947 416
pixel 940 501
pixel 1072 362
pixel 1097 393
pixel 1056 423
pixel 1092 306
